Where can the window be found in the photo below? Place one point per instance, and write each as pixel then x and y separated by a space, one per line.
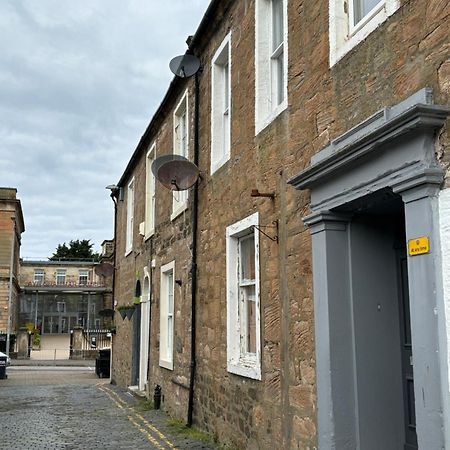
pixel 351 22
pixel 271 61
pixel 221 105
pixel 60 276
pixel 150 194
pixel 167 316
pixel 38 276
pixel 83 277
pixel 180 147
pixel 61 307
pixel 243 310
pixel 130 218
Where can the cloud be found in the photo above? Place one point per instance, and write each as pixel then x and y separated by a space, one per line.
pixel 79 82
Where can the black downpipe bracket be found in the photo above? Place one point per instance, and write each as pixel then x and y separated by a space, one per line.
pixel 194 257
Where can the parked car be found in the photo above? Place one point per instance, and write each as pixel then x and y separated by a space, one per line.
pixel 8 359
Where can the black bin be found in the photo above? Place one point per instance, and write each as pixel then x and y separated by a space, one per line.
pixel 102 363
pixel 3 360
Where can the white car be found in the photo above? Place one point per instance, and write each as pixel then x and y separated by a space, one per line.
pixel 8 359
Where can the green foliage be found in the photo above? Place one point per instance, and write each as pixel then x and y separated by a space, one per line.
pixel 178 427
pixel 122 307
pixel 77 249
pixel 144 405
pixel 36 339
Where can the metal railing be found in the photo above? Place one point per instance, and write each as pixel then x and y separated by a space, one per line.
pixel 95 339
pixel 67 284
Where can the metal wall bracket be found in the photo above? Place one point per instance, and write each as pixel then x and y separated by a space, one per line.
pixel 274 225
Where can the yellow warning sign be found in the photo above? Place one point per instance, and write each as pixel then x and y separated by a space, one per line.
pixel 419 246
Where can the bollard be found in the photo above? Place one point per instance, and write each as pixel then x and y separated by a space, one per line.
pixel 157 397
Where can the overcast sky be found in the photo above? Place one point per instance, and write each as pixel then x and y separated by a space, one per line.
pixel 79 82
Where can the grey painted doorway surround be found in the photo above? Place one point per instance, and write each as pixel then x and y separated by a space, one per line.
pixel 392 150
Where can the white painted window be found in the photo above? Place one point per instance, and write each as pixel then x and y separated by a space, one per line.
pixel 60 276
pixel 150 193
pixel 271 60
pixel 180 147
pixel 167 316
pixel 38 276
pixel 243 298
pixel 130 218
pixel 221 105
pixel 351 21
pixel 83 276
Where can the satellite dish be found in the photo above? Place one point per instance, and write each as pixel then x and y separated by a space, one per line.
pixel 175 172
pixel 104 269
pixel 161 160
pixel 184 66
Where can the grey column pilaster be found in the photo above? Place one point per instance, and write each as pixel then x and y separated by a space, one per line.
pixel 427 309
pixel 333 331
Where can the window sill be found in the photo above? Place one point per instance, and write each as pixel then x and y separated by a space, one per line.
pixel 260 125
pixel 341 44
pixel 218 165
pixel 166 364
pixel 178 211
pixel 149 234
pixel 246 371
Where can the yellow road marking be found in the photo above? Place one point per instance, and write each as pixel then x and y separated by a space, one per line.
pixel 121 404
pixel 112 398
pixel 147 435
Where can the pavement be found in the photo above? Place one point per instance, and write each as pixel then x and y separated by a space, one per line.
pixel 54 362
pixel 68 407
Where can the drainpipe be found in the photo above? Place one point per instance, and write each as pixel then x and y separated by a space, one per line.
pixel 194 257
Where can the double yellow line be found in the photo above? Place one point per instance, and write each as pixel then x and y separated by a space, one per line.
pixel 154 436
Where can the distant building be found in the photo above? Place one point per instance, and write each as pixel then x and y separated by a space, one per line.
pixel 11 228
pixel 59 295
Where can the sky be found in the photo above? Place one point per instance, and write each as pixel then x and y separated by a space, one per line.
pixel 79 83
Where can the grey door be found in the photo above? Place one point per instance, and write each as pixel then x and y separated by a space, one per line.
pixel 407 356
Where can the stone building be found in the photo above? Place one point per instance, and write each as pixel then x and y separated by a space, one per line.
pixel 11 228
pixel 314 247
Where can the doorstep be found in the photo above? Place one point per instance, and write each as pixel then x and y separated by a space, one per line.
pixel 134 390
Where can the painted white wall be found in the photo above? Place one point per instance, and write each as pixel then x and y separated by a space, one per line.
pixel 444 229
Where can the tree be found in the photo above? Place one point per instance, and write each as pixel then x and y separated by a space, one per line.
pixel 78 249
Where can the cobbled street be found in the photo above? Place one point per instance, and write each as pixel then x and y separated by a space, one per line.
pixel 45 408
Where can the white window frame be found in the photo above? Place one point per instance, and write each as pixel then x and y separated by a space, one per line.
pixel 266 81
pixel 238 361
pixel 167 316
pixel 150 194
pixel 60 273
pixel 130 218
pixel 39 277
pixel 221 105
pixel 83 273
pixel 344 34
pixel 180 198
